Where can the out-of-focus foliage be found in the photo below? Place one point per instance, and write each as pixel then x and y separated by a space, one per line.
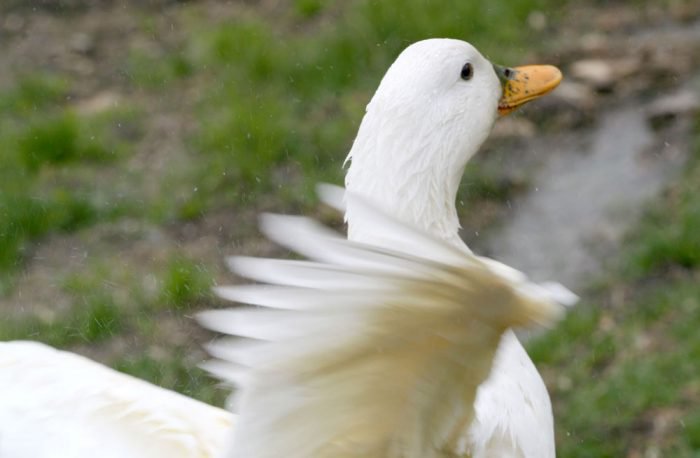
pixel 185 284
pixel 631 356
pixel 280 97
pixel 271 100
pixel 283 98
pixel 671 233
pixel 40 140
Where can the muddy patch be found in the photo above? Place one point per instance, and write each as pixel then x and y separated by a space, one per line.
pixel 592 187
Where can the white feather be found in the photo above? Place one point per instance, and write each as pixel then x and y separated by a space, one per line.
pixel 61 405
pixel 390 365
pixel 421 128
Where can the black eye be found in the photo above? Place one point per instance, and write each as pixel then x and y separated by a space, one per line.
pixel 467 72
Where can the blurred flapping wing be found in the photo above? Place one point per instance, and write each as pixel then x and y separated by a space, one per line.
pixel 363 350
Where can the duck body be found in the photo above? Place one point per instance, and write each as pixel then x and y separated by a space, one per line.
pixel 412 169
pixel 394 342
pixel 61 405
pixel 513 412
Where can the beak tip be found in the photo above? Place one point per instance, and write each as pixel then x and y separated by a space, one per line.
pixel 557 75
pixel 531 82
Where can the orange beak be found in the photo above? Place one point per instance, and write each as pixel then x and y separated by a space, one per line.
pixel 522 84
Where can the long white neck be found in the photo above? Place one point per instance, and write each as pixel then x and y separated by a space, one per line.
pixel 413 174
pixel 415 177
pixel 420 129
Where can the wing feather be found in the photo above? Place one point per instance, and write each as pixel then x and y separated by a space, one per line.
pixel 363 351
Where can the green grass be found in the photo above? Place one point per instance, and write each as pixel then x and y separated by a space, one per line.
pixel 109 303
pixel 176 372
pixel 57 140
pixel 48 158
pixel 309 8
pixel 185 284
pixel 276 98
pixel 155 72
pixel 278 104
pixel 93 318
pixel 616 383
pixel 33 93
pixel 626 363
pixel 280 100
pixel 671 238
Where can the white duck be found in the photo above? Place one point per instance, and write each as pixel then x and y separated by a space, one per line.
pixel 394 342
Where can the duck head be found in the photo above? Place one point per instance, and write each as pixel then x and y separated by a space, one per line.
pixel 432 111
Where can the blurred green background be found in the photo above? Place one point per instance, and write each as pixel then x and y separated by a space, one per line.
pixel 138 140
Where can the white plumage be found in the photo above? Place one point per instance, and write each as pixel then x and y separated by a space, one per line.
pixel 61 405
pixel 394 342
pixel 365 351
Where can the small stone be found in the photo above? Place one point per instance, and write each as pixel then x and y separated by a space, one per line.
pixel 625 67
pixel 45 315
pixel 571 105
pixel 157 352
pixel 98 103
pixel 564 383
pixel 642 342
pixel 680 103
pixel 604 74
pixel 606 323
pixel 595 72
pixel 575 94
pixel 593 42
pixel 537 20
pixel 81 43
